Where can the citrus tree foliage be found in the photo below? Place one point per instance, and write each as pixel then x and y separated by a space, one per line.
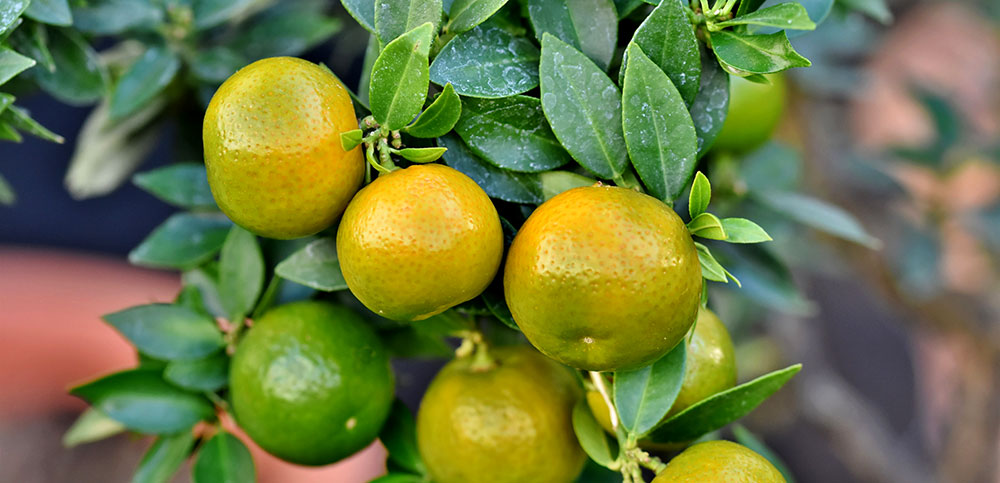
pixel 529 98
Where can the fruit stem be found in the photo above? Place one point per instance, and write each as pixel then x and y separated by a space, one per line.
pixel 474 345
pixel 602 387
pixel 647 460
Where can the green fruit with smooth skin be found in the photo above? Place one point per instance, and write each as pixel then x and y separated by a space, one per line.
pixel 719 462
pixel 603 278
pixel 272 148
pixel 754 112
pixel 511 423
pixel 310 383
pixel 710 366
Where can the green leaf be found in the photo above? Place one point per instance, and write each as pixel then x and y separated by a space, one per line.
pixel 206 279
pixel 700 196
pixel 8 133
pixel 399 478
pixel 487 61
pixel 625 7
pixel 316 266
pixel 351 139
pixel 185 240
pixel 363 11
pixel 591 435
pixel 440 117
pixel 143 81
pixel 721 408
pixel 208 374
pixel 19 118
pixel 555 182
pixel 289 31
pixel 819 215
pixel 52 12
pixel 644 396
pixel 707 225
pixel 497 183
pixel 766 280
pixel 168 332
pixel 164 458
pixel 466 14
pixel 659 133
pixel 223 459
pixel 708 111
pixel 583 107
pixel 667 37
pixel 711 269
pixel 79 76
pixel 421 155
pixel 741 230
pixel 10 13
pixel 92 425
pixel 511 133
pixel 12 64
pixel 876 9
pixel 7 195
pixel 590 26
pixel 748 439
pixel 182 184
pixel 216 64
pixel 32 41
pixel 744 54
pixel 396 17
pixel 241 272
pixel 783 16
pixel 144 402
pixel 747 6
pixel 109 17
pixel 400 78
pixel 494 300
pixel 209 13
pixel 399 436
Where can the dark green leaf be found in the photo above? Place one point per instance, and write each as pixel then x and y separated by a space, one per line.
pixel 223 459
pixel 91 426
pixel 363 11
pixel 7 195
pixel 79 76
pixel 109 17
pixel 399 436
pixel 487 61
pixel 32 41
pixel 316 266
pixel 421 155
pixel 783 16
pixel 144 402
pixel 206 279
pixel 766 281
pixel 722 408
pixel 290 32
pixel 399 478
pixel 659 133
pixel 400 78
pixel 8 133
pixel 583 107
pixel 20 119
pixel 12 64
pixel 182 184
pixel 497 305
pixel 216 64
pixel 164 458
pixel 209 13
pixel 204 375
pixel 625 7
pixel 591 435
pixel 185 240
pixel 700 196
pixel 168 332
pixel 143 81
pixel 496 182
pixel 819 215
pixel 708 111
pixel 644 396
pixel 463 15
pixel 876 9
pixel 666 36
pixel 711 269
pixel 747 6
pixel 10 12
pixel 741 230
pixel 52 12
pixel 555 182
pixel 756 54
pixel 241 272
pixel 748 439
pixel 511 133
pixel 440 117
pixel 396 17
pixel 591 26
pixel 773 166
pixel 707 225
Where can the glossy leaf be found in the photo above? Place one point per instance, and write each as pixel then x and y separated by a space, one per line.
pixel 784 16
pixel 20 119
pixel 109 17
pixel 315 265
pixel 400 78
pixel 183 184
pixel 741 230
pixel 12 64
pixel 463 15
pixel 819 215
pixel 396 17
pixel 511 133
pixel 708 111
pixel 659 133
pixel 700 196
pixel 421 155
pixel 707 225
pixel 185 240
pixel 52 12
pixel 168 332
pixel 756 54
pixel 399 436
pixel 644 396
pixel 711 269
pixel 144 402
pixel 204 375
pixel 10 13
pixel 590 26
pixel 555 182
pixel 209 13
pixel 591 435
pixel 92 425
pixel 351 139
pixel 439 117
pixel 223 459
pixel 667 38
pixel 722 408
pixel 625 7
pixel 241 272
pixel 143 81
pixel 497 183
pixel 487 61
pixel 583 107
pixel 290 31
pixel 79 75
pixel 164 458
pixel 363 11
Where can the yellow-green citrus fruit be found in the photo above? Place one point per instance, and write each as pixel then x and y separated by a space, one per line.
pixel 603 278
pixel 272 148
pixel 310 383
pixel 418 241
pixel 511 423
pixel 719 462
pixel 710 366
pixel 754 111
